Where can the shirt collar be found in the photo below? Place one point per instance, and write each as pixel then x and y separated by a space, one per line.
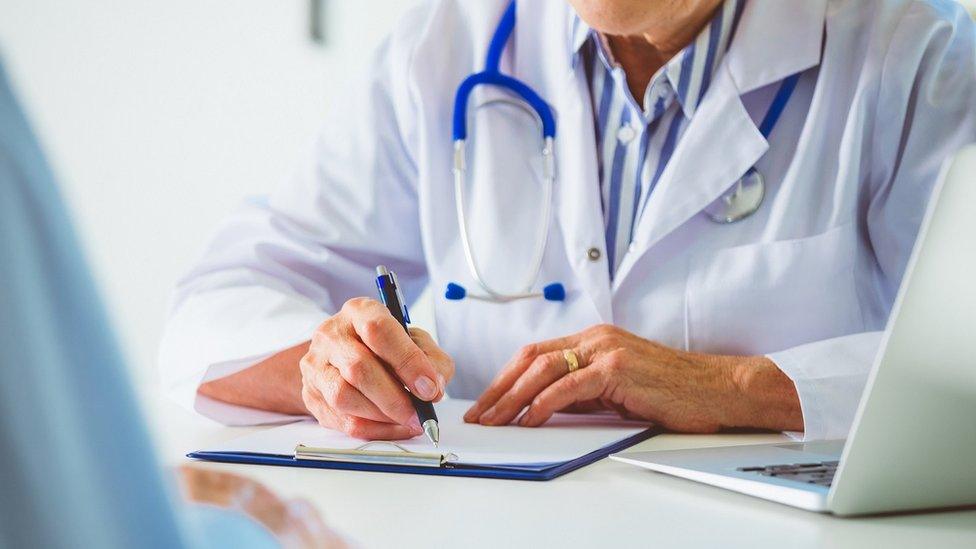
pixel 579 33
pixel 690 71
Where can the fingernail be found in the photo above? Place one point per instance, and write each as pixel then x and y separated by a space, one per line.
pixel 414 424
pixel 425 388
pixel 487 416
pixel 441 382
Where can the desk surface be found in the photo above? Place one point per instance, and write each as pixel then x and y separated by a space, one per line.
pixel 607 503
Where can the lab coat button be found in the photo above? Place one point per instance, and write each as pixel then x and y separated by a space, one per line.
pixel 594 254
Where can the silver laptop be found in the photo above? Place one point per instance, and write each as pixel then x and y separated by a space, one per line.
pixel 913 442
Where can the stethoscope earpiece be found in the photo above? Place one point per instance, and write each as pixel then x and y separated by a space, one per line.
pixel 554 292
pixel 455 292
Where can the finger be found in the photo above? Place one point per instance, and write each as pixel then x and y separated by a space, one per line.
pixel 545 370
pixel 324 382
pixel 354 426
pixel 368 429
pixel 362 380
pixel 442 361
pixel 581 385
pixel 346 399
pixel 390 342
pixel 512 371
pixel 621 410
pixel 585 407
pixel 558 344
pixel 319 408
pixel 498 387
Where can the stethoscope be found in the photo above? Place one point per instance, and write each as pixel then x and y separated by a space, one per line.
pixel 741 201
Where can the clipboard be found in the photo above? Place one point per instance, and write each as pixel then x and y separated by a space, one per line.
pixel 400 460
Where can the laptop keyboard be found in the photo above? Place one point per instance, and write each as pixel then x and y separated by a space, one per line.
pixel 821 474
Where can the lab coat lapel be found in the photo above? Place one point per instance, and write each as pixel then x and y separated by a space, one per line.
pixel 720 144
pixel 722 141
pixel 542 59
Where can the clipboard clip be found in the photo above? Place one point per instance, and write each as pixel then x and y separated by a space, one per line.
pixel 363 454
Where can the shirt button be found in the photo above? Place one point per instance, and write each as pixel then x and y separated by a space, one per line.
pixel 593 254
pixel 626 134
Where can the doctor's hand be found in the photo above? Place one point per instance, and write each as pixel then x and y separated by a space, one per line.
pixel 356 366
pixel 641 379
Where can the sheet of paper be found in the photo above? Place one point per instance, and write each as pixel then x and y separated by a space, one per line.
pixel 562 438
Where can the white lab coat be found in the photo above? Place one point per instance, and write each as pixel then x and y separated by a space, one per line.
pixel 886 94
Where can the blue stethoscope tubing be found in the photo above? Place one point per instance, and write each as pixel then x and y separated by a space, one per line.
pixel 492 76
pixel 750 186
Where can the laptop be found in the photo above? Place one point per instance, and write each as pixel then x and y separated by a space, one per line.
pixel 913 441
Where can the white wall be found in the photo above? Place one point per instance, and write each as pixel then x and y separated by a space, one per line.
pixel 159 116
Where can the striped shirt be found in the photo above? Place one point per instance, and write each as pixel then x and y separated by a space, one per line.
pixel 636 140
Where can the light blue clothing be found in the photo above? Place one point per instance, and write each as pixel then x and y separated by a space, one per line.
pixel 636 139
pixel 76 465
pixel 212 527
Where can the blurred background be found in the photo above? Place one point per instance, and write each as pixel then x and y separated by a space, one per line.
pixel 159 117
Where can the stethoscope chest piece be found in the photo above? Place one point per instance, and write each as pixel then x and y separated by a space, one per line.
pixel 741 201
pixel 746 196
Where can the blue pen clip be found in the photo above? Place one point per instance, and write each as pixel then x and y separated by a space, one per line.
pixel 391 278
pixel 399 294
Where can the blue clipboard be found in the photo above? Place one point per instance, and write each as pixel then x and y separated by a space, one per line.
pixel 547 471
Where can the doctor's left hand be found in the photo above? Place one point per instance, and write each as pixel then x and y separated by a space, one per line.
pixel 639 378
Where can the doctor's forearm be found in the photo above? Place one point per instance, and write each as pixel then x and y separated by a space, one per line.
pixel 274 384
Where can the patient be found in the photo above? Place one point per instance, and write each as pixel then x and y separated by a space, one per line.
pixel 78 468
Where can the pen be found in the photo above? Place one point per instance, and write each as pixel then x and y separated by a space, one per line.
pixel 389 288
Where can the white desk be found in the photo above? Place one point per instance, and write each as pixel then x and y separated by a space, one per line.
pixel 604 504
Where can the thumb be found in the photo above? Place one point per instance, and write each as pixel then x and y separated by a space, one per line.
pixel 390 342
pixel 438 357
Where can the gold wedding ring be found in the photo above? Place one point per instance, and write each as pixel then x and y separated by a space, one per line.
pixel 572 361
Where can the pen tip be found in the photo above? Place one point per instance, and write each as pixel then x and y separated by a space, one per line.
pixel 432 431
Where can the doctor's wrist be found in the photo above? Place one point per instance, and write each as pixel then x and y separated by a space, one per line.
pixel 762 396
pixel 274 384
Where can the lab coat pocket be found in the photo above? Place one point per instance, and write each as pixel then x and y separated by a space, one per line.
pixel 767 297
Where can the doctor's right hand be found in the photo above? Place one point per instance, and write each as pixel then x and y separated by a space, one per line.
pixel 356 366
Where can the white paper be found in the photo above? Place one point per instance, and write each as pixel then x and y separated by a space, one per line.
pixel 563 438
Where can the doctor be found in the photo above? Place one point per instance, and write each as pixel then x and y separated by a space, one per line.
pixel 696 212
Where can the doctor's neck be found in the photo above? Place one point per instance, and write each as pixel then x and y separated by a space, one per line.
pixel 645 34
